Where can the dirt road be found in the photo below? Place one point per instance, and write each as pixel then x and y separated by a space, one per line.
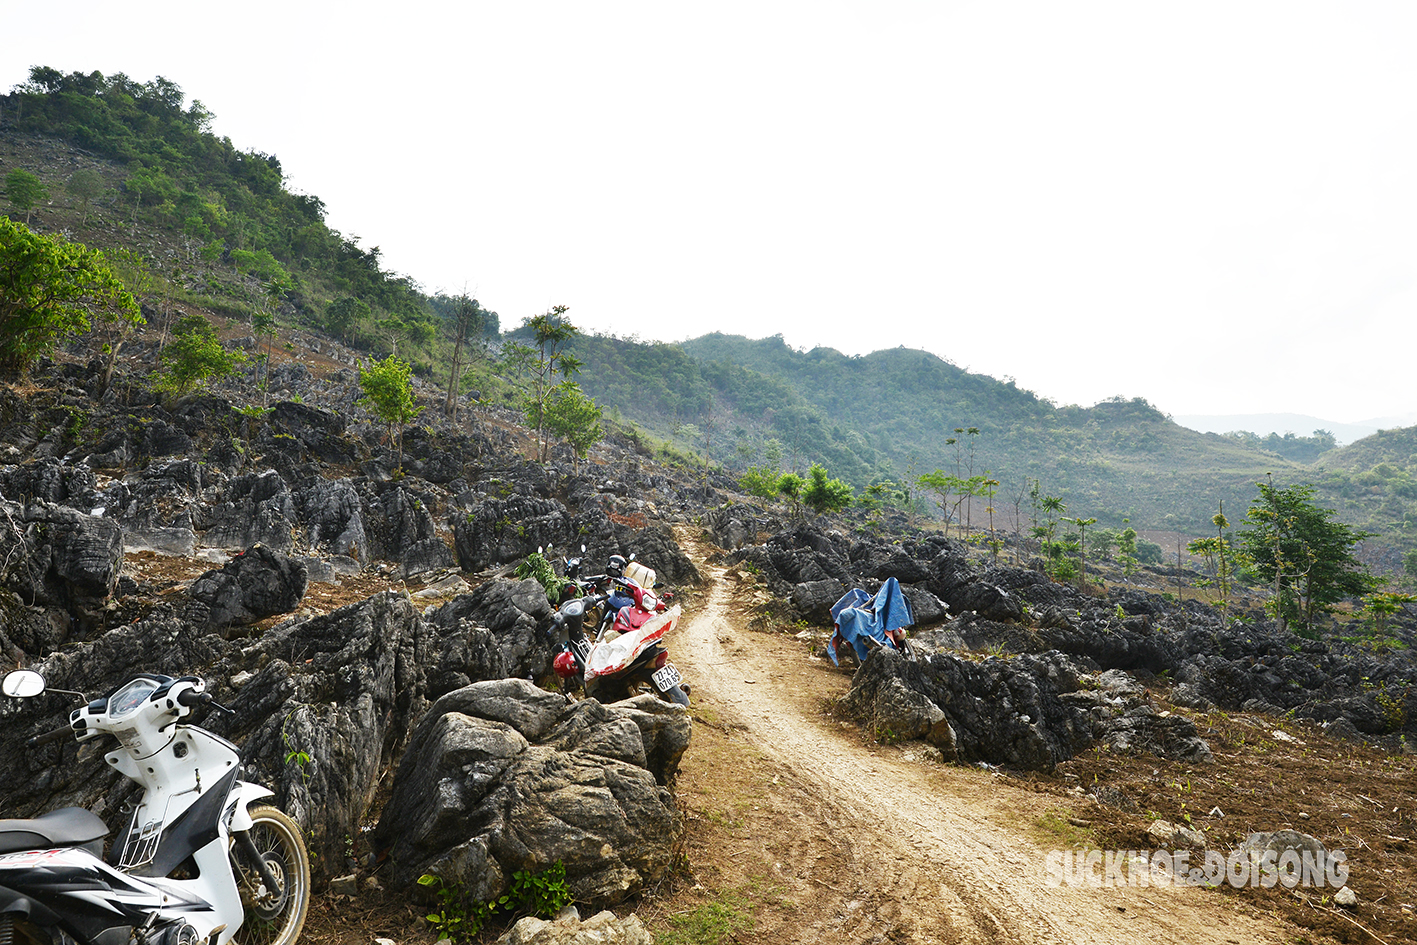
pixel 870 844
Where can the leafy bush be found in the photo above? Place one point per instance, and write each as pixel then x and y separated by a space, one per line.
pixel 194 357
pixel 458 919
pixel 536 566
pixel 825 495
pixel 760 481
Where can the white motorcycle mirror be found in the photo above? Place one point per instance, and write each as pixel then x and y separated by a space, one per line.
pixel 22 684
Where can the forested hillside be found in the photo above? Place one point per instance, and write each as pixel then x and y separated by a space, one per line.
pixel 216 224
pixel 134 166
pixel 1120 458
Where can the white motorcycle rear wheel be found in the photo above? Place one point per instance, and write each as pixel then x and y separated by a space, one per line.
pixel 273 917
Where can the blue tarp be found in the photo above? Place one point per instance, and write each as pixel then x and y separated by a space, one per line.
pixel 859 616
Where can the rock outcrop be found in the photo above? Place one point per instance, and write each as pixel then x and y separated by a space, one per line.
pixel 501 776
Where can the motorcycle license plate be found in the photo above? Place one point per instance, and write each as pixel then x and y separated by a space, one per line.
pixel 666 677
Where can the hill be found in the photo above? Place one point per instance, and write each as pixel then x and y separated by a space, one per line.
pixel 1118 459
pixel 215 230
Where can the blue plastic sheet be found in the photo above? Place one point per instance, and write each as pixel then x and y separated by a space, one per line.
pixel 859 616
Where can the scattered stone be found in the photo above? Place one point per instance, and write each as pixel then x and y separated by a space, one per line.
pixel 346 885
pixel 1346 898
pixel 1176 836
pixel 600 929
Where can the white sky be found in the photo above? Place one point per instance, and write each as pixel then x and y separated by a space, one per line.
pixel 1210 205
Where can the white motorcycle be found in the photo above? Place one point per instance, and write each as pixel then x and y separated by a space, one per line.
pixel 201 862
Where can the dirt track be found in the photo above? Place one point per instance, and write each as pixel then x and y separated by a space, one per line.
pixel 870 845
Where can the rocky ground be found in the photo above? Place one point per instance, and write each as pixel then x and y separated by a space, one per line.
pixel 365 617
pixel 833 833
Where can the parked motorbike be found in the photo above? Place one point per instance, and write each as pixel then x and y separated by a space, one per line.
pixel 204 859
pixel 624 658
pixel 574 585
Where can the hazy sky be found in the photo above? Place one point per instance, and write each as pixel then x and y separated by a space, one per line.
pixel 1210 205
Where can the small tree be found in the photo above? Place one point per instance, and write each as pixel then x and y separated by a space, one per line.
pixel 760 481
pixel 1379 607
pixel 1219 559
pixel 263 326
pixel 48 287
pixel 1082 524
pixel 942 485
pixel 1307 558
pixel 825 496
pixel 468 321
pixel 84 185
pixel 991 487
pixel 111 326
pixel 195 357
pixel 148 185
pixel 388 392
pixel 1054 551
pixel 1127 549
pixel 344 315
pixel 575 418
pixel 536 368
pixel 25 191
pixel 790 487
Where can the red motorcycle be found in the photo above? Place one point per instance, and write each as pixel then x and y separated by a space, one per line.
pixel 627 657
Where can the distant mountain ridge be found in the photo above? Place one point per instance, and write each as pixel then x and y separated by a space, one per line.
pixel 1296 423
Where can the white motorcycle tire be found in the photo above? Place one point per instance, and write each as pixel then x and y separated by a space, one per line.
pixel 273 917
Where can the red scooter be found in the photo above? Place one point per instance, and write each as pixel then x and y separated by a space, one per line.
pixel 627 657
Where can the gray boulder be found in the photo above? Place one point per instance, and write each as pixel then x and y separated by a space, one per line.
pixel 58 557
pixel 486 788
pixel 927 608
pixel 256 584
pixel 655 547
pixel 401 529
pixel 1025 712
pixel 814 599
pixel 600 929
pixel 333 515
pixel 48 480
pixel 494 631
pixel 987 600
pixel 497 531
pixel 322 709
pixel 258 509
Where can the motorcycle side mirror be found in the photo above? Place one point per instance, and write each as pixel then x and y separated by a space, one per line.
pixel 22 684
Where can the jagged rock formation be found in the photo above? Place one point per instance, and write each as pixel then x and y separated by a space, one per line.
pixel 325 706
pixel 501 776
pixel 1355 691
pixel 1028 712
pixel 256 584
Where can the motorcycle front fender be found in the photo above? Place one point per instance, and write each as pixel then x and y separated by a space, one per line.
pixel 242 796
